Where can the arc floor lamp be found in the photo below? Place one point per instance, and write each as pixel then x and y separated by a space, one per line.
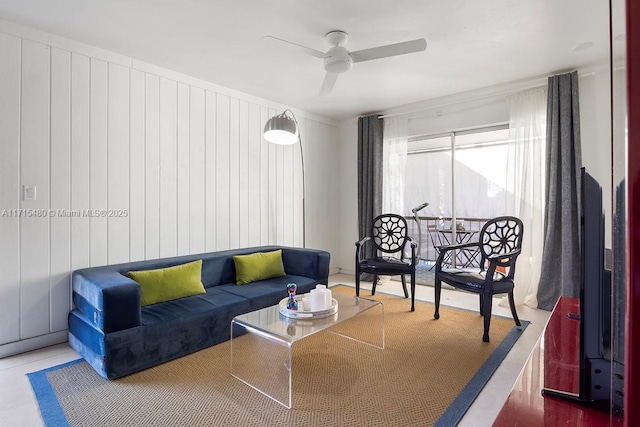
pixel 283 129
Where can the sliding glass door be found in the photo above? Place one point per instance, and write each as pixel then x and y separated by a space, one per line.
pixel 428 178
pixel 462 175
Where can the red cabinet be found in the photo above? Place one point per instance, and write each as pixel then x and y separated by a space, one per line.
pixel 554 364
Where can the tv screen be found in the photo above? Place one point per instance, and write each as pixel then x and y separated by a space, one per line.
pixel 619 299
pixel 595 304
pixel 595 297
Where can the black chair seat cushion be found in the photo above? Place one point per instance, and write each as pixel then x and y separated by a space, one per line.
pixel 473 282
pixel 390 265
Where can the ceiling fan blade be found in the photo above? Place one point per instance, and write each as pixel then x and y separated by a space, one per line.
pixel 395 49
pixel 299 47
pixel 328 83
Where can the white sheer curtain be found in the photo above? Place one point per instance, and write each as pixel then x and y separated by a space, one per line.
pixel 525 185
pixel 395 162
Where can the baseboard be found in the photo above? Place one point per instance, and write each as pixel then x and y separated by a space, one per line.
pixel 22 346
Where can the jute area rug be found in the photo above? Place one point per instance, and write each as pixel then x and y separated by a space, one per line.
pixel 428 371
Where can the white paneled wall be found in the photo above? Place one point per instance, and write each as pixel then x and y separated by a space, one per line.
pixel 178 167
pixel 60 194
pixel 34 164
pixel 10 186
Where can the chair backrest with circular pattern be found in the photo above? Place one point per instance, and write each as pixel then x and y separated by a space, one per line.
pixel 499 236
pixel 389 233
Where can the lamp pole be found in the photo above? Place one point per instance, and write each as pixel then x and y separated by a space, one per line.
pixel 284 130
pixel 304 213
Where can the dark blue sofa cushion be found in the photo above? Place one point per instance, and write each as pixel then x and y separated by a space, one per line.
pixel 268 292
pixel 110 301
pixel 184 308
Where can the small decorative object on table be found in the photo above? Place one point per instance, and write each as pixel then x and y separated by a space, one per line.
pixel 292 303
pixel 316 304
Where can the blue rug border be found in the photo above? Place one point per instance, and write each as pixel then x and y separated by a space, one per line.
pixel 53 416
pixel 464 400
pixel 50 410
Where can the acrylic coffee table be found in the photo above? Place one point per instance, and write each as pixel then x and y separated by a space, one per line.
pixel 262 341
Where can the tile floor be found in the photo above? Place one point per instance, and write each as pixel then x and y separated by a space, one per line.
pixel 18 406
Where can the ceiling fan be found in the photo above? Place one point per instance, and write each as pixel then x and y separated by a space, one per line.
pixel 339 60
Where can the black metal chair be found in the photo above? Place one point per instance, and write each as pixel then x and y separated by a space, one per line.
pixel 389 236
pixel 499 245
pixel 436 241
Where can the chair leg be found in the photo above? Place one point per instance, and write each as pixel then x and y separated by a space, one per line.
pixel 481 312
pixel 375 282
pixel 357 283
pixel 487 303
pixel 404 285
pixel 413 291
pixel 512 305
pixel 437 286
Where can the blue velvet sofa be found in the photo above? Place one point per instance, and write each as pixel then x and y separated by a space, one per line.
pixel 117 336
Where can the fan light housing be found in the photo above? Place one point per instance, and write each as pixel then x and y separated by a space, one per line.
pixel 282 130
pixel 337 60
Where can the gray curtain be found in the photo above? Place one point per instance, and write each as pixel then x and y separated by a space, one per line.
pixel 369 176
pixel 561 259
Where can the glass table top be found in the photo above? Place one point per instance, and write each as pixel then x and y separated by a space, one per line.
pixel 269 321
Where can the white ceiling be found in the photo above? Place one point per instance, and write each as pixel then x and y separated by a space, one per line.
pixel 470 44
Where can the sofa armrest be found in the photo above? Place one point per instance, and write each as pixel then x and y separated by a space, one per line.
pixel 109 300
pixel 311 263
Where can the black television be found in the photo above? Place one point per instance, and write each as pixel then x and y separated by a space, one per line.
pixel 595 304
pixel 619 298
pixel 595 300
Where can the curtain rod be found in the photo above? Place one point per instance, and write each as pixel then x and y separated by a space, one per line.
pixel 539 82
pixel 462 101
pixel 462 131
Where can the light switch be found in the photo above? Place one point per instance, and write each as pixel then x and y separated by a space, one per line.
pixel 28 192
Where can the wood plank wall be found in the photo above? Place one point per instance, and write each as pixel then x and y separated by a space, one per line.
pixel 183 168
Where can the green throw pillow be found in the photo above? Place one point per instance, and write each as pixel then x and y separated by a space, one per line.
pixel 169 283
pixel 258 266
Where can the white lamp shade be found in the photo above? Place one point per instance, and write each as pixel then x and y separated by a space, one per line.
pixel 281 130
